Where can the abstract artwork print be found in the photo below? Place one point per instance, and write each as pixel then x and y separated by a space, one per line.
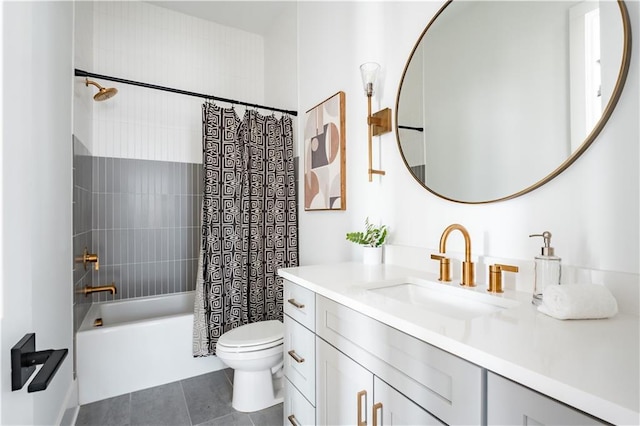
pixel 324 155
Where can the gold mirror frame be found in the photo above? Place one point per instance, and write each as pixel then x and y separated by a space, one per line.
pixel 606 113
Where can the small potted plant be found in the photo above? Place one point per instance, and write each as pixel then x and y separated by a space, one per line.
pixel 372 240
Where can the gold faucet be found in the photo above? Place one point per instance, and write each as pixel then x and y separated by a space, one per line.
pixel 445 267
pixel 467 265
pixel 88 258
pixel 87 290
pixel 495 276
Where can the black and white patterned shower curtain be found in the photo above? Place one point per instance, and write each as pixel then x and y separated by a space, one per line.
pixel 249 222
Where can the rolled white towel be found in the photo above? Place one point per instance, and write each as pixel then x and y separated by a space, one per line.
pixel 578 301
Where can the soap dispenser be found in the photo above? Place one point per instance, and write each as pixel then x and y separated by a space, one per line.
pixel 547 269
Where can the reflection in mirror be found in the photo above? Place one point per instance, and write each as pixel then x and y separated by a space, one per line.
pixel 499 97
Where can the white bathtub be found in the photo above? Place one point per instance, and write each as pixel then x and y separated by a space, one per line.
pixel 143 343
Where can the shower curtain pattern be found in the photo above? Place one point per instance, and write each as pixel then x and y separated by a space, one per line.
pixel 249 222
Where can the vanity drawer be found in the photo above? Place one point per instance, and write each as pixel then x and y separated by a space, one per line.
pixel 297 410
pixel 300 358
pixel 511 403
pixel 299 304
pixel 448 387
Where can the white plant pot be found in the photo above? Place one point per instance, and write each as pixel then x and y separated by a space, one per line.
pixel 372 255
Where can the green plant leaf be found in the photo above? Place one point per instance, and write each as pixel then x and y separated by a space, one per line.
pixel 373 236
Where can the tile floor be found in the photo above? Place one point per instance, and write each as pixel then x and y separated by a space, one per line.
pixel 203 400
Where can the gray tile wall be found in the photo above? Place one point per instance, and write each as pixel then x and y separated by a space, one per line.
pixel 82 227
pixel 145 219
pixel 142 218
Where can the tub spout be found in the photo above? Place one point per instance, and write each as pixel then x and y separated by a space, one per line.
pixel 87 290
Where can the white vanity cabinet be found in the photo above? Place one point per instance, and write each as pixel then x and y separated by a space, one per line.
pixel 299 355
pixel 419 367
pixel 349 394
pixel 344 388
pixel 297 409
pixel 396 409
pixel 511 403
pixel 356 353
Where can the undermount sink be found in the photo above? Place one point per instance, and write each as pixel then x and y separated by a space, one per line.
pixel 445 299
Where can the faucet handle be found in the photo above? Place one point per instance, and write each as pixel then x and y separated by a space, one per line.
pixel 88 258
pixel 445 267
pixel 495 276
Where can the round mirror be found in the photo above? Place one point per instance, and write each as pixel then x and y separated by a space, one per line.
pixel 499 97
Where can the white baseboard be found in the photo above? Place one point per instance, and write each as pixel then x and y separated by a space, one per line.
pixel 69 410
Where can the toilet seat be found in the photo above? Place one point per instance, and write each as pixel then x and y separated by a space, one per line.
pixel 255 353
pixel 252 337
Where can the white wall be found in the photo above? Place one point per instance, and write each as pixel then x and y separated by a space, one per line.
pixel 592 208
pixel 280 65
pixel 142 42
pixel 83 60
pixel 37 183
pixel 328 61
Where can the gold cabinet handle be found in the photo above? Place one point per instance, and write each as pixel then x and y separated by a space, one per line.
pixel 292 419
pixel 377 406
pixel 296 304
pixel 360 410
pixel 295 356
pixel 495 276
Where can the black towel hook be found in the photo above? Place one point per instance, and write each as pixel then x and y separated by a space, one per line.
pixel 24 359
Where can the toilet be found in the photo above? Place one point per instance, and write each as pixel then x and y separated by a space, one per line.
pixel 255 352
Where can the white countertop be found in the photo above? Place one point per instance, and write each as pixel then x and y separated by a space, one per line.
pixel 593 365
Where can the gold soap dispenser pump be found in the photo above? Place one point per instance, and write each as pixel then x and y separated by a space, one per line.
pixel 548 269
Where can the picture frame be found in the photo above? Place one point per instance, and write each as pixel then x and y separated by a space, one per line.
pixel 325 155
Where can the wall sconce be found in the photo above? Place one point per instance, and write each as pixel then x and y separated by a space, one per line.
pixel 380 122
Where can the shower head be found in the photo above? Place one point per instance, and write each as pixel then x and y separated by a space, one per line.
pixel 103 93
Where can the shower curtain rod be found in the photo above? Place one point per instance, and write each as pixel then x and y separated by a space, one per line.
pixel 81 73
pixel 417 129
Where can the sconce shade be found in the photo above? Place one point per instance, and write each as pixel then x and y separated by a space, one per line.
pixel 369 72
pixel 378 123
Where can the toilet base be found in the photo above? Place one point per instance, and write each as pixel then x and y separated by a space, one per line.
pixel 256 390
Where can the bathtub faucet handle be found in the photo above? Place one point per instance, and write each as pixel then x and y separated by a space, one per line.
pixel 88 258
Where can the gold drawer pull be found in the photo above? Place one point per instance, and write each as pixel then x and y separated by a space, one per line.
pixel 295 356
pixel 293 420
pixel 377 406
pixel 359 395
pixel 296 304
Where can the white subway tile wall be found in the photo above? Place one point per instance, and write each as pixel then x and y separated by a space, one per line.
pixel 142 42
pixel 83 59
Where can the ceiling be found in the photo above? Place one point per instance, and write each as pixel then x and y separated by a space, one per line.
pixel 251 16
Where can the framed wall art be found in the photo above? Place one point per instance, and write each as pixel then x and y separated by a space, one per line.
pixel 324 155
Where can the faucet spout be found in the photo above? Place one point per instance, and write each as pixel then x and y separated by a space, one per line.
pixel 87 290
pixel 467 265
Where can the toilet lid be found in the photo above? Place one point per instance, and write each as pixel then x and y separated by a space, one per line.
pixel 254 334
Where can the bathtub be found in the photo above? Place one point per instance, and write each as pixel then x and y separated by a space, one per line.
pixel 142 343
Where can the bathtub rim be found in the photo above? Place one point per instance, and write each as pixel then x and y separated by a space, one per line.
pixel 87 323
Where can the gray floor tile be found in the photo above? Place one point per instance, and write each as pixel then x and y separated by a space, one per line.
pixel 114 411
pixel 229 373
pixel 233 419
pixel 272 416
pixel 208 396
pixel 161 405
